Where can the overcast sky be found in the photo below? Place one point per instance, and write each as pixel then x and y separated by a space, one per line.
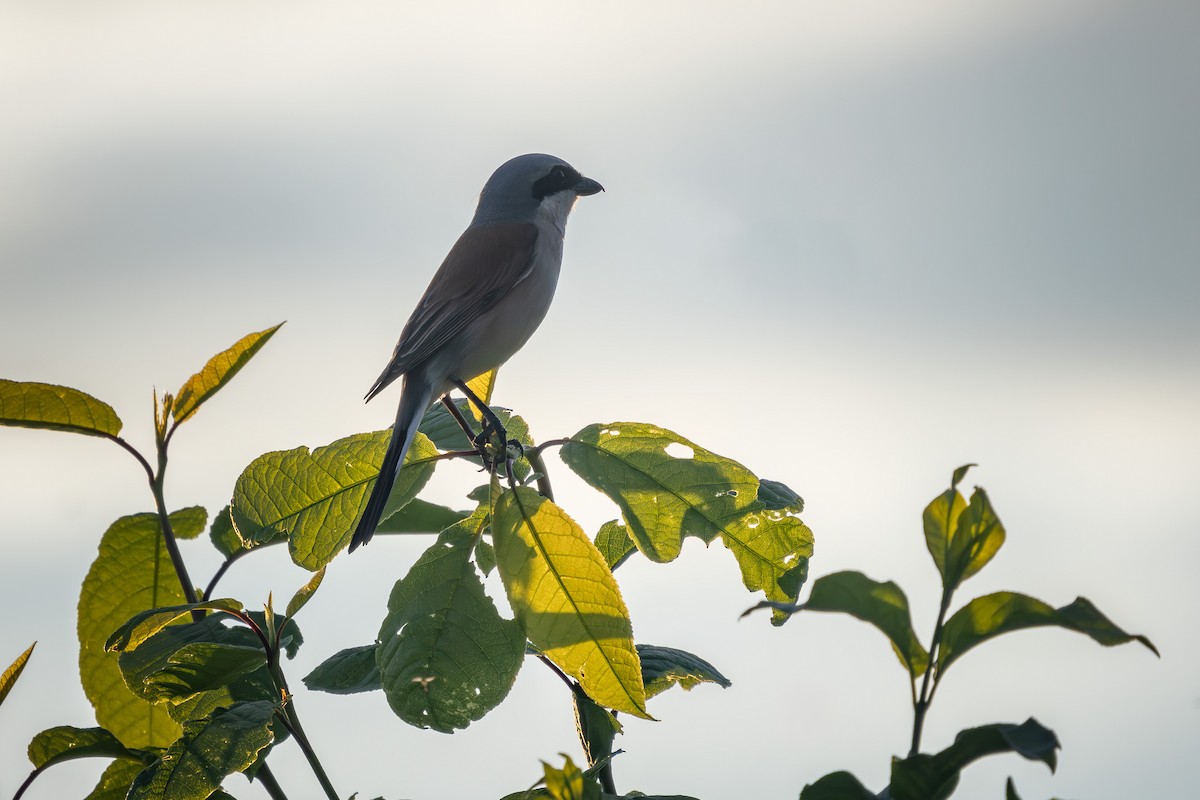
pixel 851 245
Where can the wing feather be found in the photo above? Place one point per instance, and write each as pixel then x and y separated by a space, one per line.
pixel 485 264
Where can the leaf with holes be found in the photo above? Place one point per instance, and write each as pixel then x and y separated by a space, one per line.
pixel 57 408
pixel 208 751
pixel 668 488
pixel 315 498
pixel 131 574
pixel 566 599
pixel 446 656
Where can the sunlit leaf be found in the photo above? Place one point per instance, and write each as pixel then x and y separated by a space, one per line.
pixel 59 408
pixel 940 520
pixel 668 488
pixel 566 598
pixel 143 625
pixel 446 656
pixel 570 782
pixel 13 672
pixel 994 614
pixel 613 542
pixel 978 537
pixel 116 779
pixel 305 593
pixel 315 498
pixel 664 667
pixel 883 605
pixel 347 671
pixel 219 370
pixel 934 777
pixel 209 750
pixel 131 573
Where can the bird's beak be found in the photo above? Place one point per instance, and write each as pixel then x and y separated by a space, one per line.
pixel 587 186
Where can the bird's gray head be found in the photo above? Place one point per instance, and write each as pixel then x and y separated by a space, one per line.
pixel 526 183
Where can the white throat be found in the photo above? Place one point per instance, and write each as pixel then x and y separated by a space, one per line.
pixel 554 210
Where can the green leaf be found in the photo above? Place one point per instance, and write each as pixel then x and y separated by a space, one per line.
pixel 224 536
pixel 933 777
pixel 58 408
pixel 668 487
pixel 776 496
pixel 883 605
pixel 485 556
pixel 664 667
pixel 836 786
pixel 171 665
pixel 570 783
pixel 131 573
pixel 145 624
pixel 421 516
pixel 978 538
pixel 597 728
pixel 613 542
pixel 115 781
pixel 566 599
pixel 959 474
pixel 219 370
pixel 1003 612
pixel 444 431
pixel 13 672
pixel 64 743
pixel 961 538
pixel 446 656
pixel 209 750
pixel 348 671
pixel 315 499
pixel 204 666
pixel 305 592
pixel 188 523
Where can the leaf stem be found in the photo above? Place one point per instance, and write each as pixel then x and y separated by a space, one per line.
pixel 292 721
pixel 267 779
pixel 534 457
pixel 929 682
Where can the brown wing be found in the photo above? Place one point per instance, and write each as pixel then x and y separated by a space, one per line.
pixel 484 265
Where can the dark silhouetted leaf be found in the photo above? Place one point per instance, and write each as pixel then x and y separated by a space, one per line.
pixel 664 667
pixel 836 786
pixel 348 671
pixel 1003 612
pixel 933 777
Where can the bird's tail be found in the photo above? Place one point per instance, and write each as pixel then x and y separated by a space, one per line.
pixel 414 399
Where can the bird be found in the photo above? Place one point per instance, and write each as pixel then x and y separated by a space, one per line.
pixel 490 294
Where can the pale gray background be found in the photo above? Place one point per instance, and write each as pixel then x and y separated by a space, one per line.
pixel 852 245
